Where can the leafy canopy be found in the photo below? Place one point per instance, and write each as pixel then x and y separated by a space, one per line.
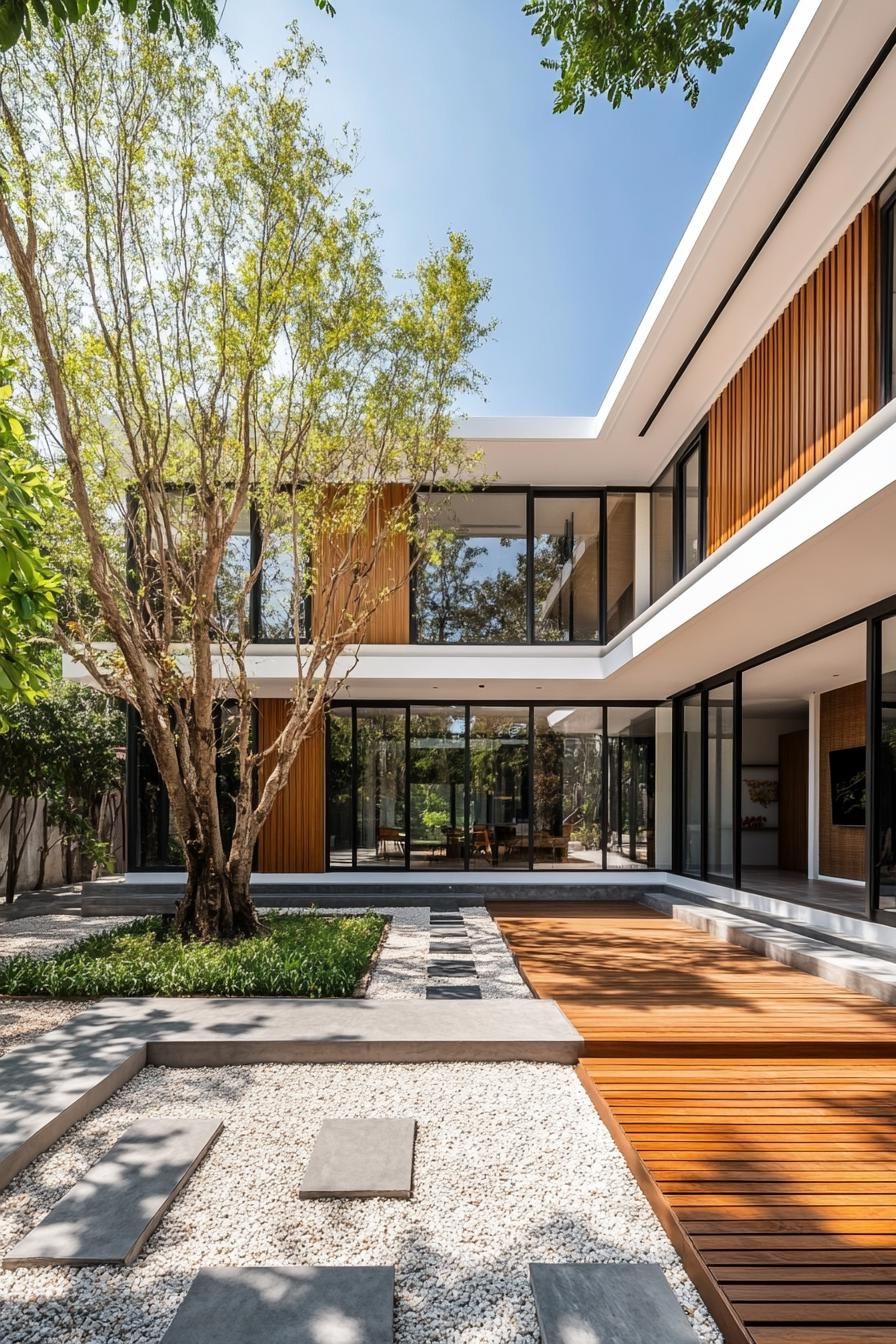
pixel 28 582
pixel 174 15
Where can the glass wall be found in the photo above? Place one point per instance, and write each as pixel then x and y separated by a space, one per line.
pixel 476 591
pixel 620 582
pixel 437 773
pixel 886 770
pixel 691 510
pixel 662 534
pixel 631 775
pixel 692 787
pixel 720 783
pixel 232 604
pixel 379 785
pixel 497 786
pixel 567 787
pixel 566 568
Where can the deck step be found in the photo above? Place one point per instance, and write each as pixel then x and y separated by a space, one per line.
pixel 282 1305
pixel 109 1215
pixel 361 1159
pixel 612 1304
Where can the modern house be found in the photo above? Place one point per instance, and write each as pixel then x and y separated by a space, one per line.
pixel 666 638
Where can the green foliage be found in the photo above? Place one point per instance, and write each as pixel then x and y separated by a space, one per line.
pixel 613 48
pixel 28 582
pixel 173 15
pixel 307 954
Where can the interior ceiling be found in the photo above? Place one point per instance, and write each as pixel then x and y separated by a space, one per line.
pixel 786 682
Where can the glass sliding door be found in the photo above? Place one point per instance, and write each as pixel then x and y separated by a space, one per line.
pixel 720 783
pixel 499 787
pixel 340 812
pixel 566 568
pixel 885 801
pixel 692 787
pixel 380 831
pixel 436 767
pixel 567 763
pixel 631 758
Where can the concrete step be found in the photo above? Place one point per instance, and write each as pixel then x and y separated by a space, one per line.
pixel 110 1214
pixel 282 1305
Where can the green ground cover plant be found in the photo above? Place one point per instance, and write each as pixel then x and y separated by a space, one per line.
pixel 306 954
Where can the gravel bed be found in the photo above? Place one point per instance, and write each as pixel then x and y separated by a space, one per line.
pixel 513 1164
pixel 495 967
pixel 43 935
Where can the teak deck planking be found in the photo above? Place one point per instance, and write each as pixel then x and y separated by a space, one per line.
pixel 756 1105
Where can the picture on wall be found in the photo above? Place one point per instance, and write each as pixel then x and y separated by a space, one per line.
pixel 759 798
pixel 847 768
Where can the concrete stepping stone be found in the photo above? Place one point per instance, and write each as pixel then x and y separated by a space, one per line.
pixel 112 1211
pixel 452 966
pixel 607 1304
pixel 453 992
pixel 361 1159
pixel 285 1305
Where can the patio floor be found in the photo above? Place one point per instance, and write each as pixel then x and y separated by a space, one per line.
pixel 755 1104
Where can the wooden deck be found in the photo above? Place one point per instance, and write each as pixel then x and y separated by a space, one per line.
pixel 756 1105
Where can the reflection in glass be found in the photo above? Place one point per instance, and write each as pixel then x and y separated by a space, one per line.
pixel 566 787
pixel 231 603
pixel 499 787
pixel 662 534
pixel 476 591
pixel 339 787
pixel 380 757
pixel 691 505
pixel 720 783
pixel 886 770
pixel 620 561
pixel 631 758
pixel 436 768
pixel 281 596
pixel 566 558
pixel 692 775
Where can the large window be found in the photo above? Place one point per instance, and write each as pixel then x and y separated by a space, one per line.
pixel 565 787
pixel 888 303
pixel 566 568
pixel 678 517
pixel 620 582
pixel 475 591
pixel 691 786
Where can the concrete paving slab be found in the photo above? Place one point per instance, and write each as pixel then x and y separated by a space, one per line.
pixel 612 1304
pixel 361 1159
pixel 284 1305
pixel 109 1215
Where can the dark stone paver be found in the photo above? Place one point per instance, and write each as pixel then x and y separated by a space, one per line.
pixel 453 992
pixel 456 966
pixel 112 1211
pixel 612 1304
pixel 361 1159
pixel 285 1305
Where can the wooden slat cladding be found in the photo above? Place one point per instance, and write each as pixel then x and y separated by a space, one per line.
pixel 811 381
pixel 390 622
pixel 292 839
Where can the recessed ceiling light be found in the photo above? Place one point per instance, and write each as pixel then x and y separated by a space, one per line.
pixel 482 685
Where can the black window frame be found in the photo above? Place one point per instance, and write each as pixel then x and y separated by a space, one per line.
pixel 696 446
pixel 887 303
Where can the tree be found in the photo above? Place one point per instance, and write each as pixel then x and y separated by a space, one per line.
pixel 215 337
pixel 173 15
pixel 61 753
pixel 614 48
pixel 28 582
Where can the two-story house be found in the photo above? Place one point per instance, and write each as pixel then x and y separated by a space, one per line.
pixel 665 639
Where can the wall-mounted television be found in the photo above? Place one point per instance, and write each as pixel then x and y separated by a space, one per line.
pixel 847 768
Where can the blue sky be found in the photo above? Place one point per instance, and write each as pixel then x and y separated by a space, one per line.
pixel 572 218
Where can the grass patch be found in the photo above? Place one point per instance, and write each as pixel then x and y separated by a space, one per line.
pixel 303 954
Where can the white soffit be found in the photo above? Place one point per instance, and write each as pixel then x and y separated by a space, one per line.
pixel 821 57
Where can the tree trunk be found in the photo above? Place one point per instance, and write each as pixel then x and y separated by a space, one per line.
pixel 13 853
pixel 215 905
pixel 44 848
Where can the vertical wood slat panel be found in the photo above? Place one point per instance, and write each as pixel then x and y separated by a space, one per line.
pixel 808 385
pixel 390 622
pixel 292 839
pixel 841 849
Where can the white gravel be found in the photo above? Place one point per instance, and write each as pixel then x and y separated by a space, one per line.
pixel 495 967
pixel 513 1165
pixel 400 971
pixel 43 935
